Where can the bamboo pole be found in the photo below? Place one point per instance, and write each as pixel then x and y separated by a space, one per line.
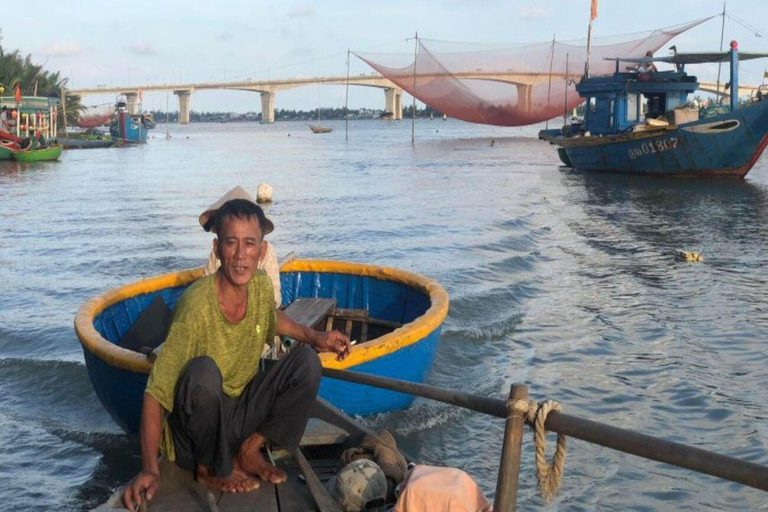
pixel 64 113
pixel 413 108
pixel 346 104
pixel 549 85
pixel 720 64
pixel 627 441
pixel 565 107
pixel 509 467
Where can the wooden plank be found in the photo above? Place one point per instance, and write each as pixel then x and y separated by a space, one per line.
pixel 262 499
pixel 310 312
pixel 319 432
pixel 324 501
pixel 179 492
pixel 294 495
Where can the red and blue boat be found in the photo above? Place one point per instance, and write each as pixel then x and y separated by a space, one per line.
pixel 642 122
pixel 130 128
pixel 396 315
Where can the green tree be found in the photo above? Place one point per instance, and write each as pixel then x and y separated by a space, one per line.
pixel 16 69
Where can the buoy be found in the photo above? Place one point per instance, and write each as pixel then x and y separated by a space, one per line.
pixel 690 256
pixel 264 193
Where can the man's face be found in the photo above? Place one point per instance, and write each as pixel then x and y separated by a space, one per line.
pixel 239 247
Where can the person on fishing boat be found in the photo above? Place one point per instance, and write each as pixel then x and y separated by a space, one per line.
pixel 209 404
pixel 268 263
pixel 644 69
pixel 5 124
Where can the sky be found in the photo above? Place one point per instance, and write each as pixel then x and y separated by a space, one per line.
pixel 170 41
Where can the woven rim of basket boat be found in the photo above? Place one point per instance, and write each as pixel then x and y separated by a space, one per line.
pixel 404 336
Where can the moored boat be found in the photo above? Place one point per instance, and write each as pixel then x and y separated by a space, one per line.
pixel 675 138
pixel 47 154
pixel 131 128
pixel 316 128
pixel 7 149
pixel 395 315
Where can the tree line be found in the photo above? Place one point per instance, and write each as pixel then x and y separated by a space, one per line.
pixel 32 80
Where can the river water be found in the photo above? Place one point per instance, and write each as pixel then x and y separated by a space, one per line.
pixel 564 281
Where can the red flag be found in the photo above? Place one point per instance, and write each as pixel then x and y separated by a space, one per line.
pixel 18 94
pixel 593 15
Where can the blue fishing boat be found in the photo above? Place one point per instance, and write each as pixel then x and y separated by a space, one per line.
pixel 673 137
pixel 395 315
pixel 130 128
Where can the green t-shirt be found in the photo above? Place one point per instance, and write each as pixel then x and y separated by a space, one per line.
pixel 199 328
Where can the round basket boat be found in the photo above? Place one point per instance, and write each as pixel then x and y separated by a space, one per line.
pixel 396 316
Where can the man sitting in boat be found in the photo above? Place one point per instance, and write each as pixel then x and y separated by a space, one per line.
pixel 208 406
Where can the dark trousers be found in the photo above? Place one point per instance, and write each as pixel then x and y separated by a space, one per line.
pixel 208 426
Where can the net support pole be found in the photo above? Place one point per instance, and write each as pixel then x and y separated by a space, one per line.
pixel 549 86
pixel 509 468
pixel 63 112
pixel 413 108
pixel 565 105
pixel 346 104
pixel 589 47
pixel 720 64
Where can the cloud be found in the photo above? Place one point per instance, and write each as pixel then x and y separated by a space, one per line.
pixel 302 11
pixel 61 49
pixel 533 12
pixel 141 49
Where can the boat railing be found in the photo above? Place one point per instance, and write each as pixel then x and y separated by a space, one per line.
pixel 514 411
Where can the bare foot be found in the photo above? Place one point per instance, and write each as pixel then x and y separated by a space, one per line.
pixel 250 460
pixel 237 481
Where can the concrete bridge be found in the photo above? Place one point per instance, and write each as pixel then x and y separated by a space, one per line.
pixel 393 94
pixel 267 89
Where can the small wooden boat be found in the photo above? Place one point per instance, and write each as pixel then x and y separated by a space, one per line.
pixel 316 128
pixel 9 144
pixel 38 155
pixel 7 149
pixel 395 315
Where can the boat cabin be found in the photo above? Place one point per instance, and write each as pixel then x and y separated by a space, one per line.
pixel 615 103
pixel 31 114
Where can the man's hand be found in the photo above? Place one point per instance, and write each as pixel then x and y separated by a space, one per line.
pixel 333 341
pixel 144 484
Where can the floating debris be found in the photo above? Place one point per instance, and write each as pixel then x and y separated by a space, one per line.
pixel 690 256
pixel 264 193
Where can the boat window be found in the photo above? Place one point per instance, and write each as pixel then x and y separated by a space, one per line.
pixel 610 113
pixel 592 105
pixel 632 107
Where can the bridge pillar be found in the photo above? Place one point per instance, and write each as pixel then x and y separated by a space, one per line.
pixel 393 102
pixel 132 102
pixel 183 95
pixel 267 107
pixel 524 98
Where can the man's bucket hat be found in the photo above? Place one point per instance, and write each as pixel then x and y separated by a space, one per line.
pixel 206 218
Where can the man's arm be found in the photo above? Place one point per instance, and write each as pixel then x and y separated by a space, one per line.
pixel 149 478
pixel 333 341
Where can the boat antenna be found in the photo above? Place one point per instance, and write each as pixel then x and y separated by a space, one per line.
pixel 413 108
pixel 565 103
pixel 346 104
pixel 592 16
pixel 549 87
pixel 720 64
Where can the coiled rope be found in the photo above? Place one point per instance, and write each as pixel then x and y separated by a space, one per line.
pixel 549 476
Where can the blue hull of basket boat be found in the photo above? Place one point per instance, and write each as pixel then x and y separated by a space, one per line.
pixel 121 391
